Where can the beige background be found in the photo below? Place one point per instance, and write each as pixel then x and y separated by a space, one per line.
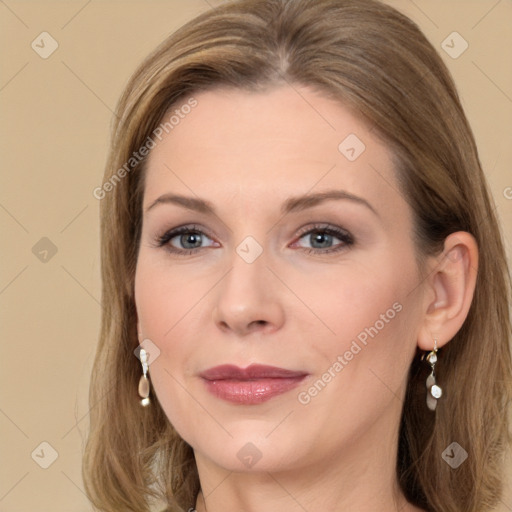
pixel 55 119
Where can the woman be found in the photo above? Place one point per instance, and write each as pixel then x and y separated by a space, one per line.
pixel 303 275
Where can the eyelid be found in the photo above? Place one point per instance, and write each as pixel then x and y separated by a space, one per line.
pixel 322 226
pixel 332 229
pixel 163 239
pixel 346 238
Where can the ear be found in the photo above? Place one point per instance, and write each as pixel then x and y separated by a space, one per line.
pixel 449 290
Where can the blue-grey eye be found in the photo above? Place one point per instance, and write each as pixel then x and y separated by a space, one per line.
pixel 189 240
pixel 320 240
pixel 184 239
pixel 324 238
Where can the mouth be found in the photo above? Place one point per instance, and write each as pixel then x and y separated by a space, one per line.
pixel 252 385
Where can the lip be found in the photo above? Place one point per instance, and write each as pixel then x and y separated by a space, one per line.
pixel 252 385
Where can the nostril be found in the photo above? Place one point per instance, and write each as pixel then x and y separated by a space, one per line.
pixel 223 325
pixel 258 323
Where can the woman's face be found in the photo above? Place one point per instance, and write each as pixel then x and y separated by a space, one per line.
pixel 274 234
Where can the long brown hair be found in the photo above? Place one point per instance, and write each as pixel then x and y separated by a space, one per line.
pixel 372 59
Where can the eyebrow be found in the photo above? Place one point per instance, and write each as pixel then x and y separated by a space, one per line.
pixel 190 203
pixel 292 204
pixel 300 203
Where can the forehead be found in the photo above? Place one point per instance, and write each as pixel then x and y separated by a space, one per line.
pixel 283 141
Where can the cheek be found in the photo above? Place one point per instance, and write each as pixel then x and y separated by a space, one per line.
pixel 165 297
pixel 354 301
pixel 370 317
pixel 167 308
pixel 362 371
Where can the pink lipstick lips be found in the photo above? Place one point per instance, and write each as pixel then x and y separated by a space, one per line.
pixel 252 385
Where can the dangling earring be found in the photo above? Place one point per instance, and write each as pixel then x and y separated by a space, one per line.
pixel 144 386
pixel 434 392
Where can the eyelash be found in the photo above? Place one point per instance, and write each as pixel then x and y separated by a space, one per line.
pixel 164 239
pixel 344 236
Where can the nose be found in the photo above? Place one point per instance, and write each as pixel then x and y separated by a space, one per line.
pixel 249 299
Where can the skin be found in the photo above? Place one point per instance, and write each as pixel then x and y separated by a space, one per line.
pixel 247 154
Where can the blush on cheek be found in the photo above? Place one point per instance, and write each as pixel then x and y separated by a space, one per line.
pixel 377 338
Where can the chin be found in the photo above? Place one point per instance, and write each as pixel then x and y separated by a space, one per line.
pixel 243 455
